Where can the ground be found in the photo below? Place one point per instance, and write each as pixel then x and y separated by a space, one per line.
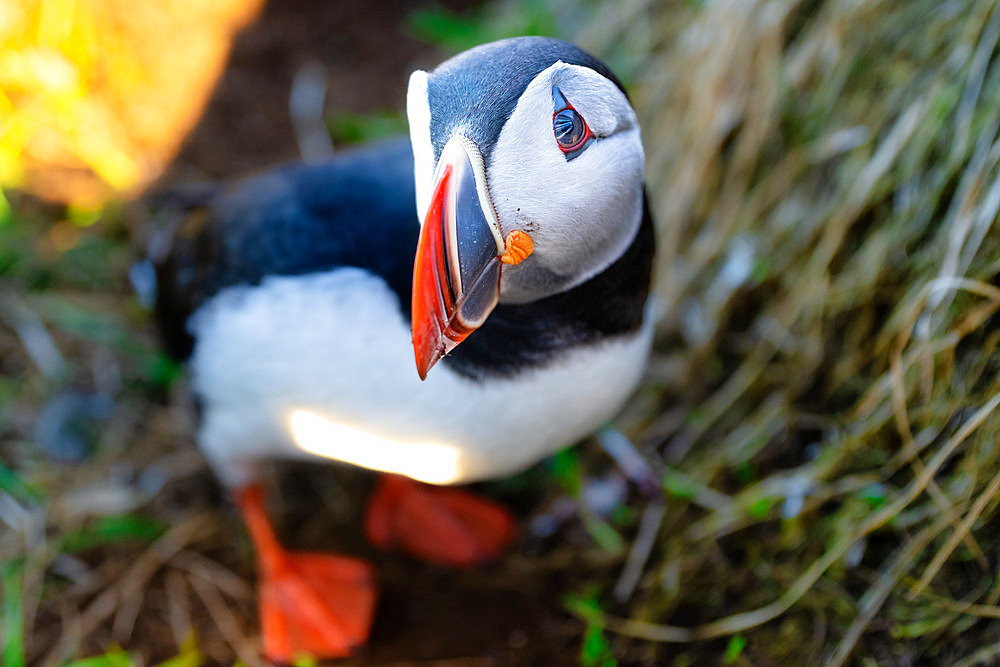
pixel 197 577
pixel 821 408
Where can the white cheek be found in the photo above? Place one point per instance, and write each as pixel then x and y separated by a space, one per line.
pixel 418 114
pixel 580 213
pixel 609 177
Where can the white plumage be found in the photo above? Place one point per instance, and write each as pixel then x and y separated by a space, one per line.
pixel 335 345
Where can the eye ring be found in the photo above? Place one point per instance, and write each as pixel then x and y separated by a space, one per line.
pixel 569 127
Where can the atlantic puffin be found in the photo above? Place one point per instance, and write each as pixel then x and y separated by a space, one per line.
pixel 443 310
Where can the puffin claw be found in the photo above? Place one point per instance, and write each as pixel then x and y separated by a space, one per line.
pixel 437 524
pixel 310 603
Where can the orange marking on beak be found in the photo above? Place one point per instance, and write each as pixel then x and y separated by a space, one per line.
pixel 517 246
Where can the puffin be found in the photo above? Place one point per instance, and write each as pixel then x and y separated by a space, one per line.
pixel 444 308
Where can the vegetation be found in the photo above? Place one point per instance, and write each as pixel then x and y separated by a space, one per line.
pixel 821 412
pixel 825 179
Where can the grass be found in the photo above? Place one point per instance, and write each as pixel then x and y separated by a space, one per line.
pixel 488 22
pixel 826 365
pixel 822 407
pixel 13 614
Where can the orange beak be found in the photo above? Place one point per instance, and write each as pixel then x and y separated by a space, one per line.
pixel 456 274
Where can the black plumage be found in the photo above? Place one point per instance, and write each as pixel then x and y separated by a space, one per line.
pixel 356 210
pixel 479 89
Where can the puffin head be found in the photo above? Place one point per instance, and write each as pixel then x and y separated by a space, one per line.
pixel 529 176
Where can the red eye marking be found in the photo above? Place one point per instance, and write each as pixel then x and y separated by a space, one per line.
pixel 569 127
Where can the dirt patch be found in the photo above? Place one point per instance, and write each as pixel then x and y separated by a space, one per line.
pixel 364 47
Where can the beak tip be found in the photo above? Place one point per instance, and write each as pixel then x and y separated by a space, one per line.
pixel 425 358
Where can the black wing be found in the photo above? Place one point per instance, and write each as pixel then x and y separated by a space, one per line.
pixel 356 210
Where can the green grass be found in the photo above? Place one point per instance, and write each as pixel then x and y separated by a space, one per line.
pixel 14 484
pixel 352 128
pixel 486 23
pixel 12 637
pixel 113 530
pixel 595 649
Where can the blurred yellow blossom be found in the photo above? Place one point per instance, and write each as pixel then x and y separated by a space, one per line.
pixel 96 95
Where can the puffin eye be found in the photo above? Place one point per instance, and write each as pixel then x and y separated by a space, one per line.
pixel 570 129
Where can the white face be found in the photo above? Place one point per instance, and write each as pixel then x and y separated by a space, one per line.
pixel 581 213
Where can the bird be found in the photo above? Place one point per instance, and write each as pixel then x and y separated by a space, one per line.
pixel 444 308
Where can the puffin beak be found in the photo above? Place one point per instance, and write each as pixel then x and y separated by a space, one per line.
pixel 456 275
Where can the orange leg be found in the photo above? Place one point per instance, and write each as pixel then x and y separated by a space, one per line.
pixel 438 524
pixel 310 603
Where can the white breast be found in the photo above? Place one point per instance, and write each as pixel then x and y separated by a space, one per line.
pixel 322 366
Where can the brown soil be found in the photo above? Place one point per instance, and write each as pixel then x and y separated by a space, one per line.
pixel 365 48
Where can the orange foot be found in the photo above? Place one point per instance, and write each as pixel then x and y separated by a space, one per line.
pixel 438 524
pixel 316 604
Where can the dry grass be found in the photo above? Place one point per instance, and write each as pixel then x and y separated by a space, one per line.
pixel 825 177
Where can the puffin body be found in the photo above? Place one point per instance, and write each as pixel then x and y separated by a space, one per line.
pixel 449 309
pixel 289 391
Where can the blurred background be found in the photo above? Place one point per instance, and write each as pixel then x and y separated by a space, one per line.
pixel 819 415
